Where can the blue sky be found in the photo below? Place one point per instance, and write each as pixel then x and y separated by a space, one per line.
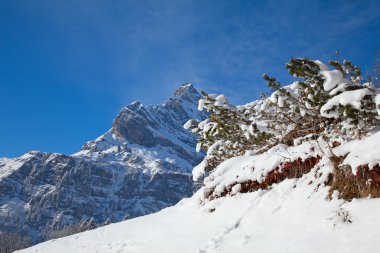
pixel 68 67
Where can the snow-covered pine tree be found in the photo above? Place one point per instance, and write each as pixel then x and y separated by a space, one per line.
pixel 227 132
pixel 295 108
pixel 322 103
pixel 351 103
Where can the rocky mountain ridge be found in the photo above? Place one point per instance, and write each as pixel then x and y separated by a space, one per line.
pixel 141 165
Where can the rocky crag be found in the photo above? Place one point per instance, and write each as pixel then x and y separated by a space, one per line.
pixel 141 165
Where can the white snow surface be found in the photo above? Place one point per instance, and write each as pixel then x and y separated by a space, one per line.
pixel 256 167
pixel 361 152
pixel 352 97
pixel 332 78
pixel 8 166
pixel 321 65
pixel 377 101
pixel 284 219
pixel 292 216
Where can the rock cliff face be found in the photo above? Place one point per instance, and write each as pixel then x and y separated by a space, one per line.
pixel 141 165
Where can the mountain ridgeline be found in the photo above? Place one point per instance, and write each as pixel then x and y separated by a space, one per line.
pixel 141 165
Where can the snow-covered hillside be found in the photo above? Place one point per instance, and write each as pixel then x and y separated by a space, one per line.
pixel 295 215
pixel 296 171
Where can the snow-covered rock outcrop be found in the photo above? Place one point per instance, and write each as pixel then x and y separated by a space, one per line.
pixel 141 165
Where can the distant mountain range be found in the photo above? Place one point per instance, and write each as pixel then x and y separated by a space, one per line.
pixel 141 165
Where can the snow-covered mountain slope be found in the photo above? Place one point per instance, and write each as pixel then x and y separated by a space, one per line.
pixel 141 165
pixel 294 215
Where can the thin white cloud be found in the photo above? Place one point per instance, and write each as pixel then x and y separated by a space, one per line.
pixel 218 44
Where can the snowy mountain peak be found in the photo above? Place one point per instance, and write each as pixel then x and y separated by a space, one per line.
pixel 187 92
pixel 154 125
pixel 135 105
pixel 185 88
pixel 141 165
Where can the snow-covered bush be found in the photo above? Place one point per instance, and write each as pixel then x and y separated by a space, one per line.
pixel 227 132
pixel 351 103
pixel 322 103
